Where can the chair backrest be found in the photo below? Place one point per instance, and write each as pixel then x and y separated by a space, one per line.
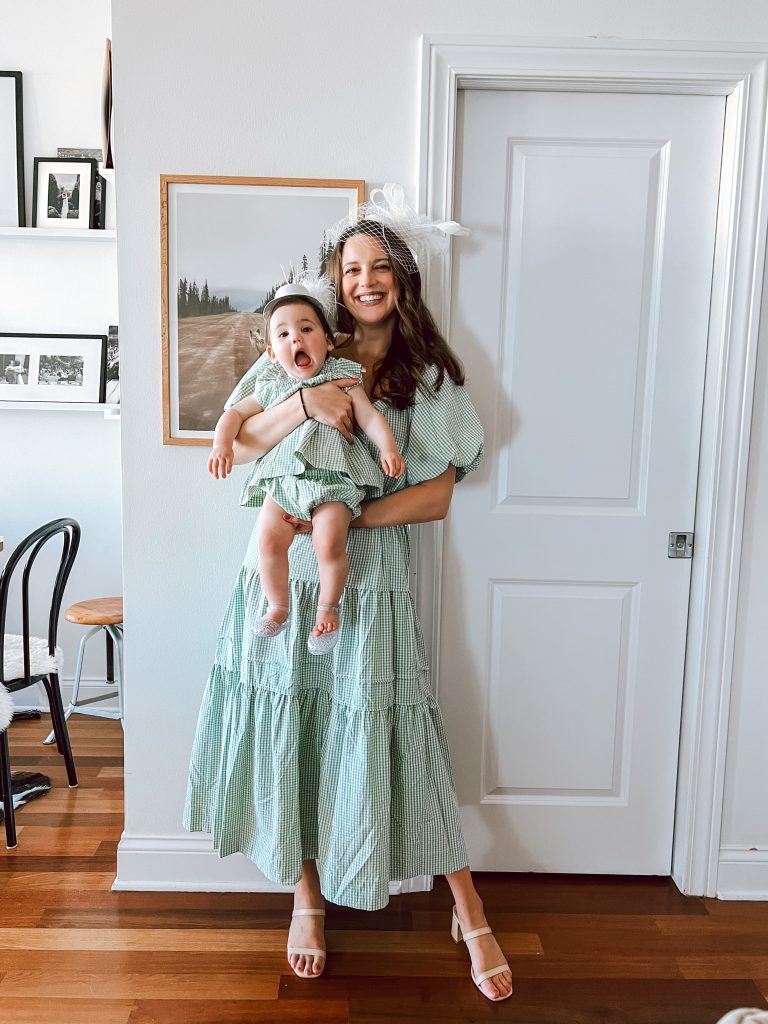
pixel 30 547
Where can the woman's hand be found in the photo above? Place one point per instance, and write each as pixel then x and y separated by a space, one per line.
pixel 300 525
pixel 328 404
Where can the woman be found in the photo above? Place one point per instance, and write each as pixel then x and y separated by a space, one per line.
pixel 333 774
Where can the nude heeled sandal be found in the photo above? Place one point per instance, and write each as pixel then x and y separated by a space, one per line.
pixel 267 627
pixel 457 935
pixel 325 642
pixel 307 950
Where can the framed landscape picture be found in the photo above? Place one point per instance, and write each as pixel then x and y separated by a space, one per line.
pixel 52 367
pixel 12 213
pixel 225 244
pixel 63 192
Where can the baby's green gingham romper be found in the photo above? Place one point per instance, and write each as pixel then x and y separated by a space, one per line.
pixel 341 757
pixel 314 464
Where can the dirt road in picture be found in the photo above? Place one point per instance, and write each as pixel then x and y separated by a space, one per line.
pixel 214 353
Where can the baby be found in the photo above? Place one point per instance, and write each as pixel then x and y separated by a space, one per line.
pixel 313 473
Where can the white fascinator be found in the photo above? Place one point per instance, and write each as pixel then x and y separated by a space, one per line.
pixel 422 236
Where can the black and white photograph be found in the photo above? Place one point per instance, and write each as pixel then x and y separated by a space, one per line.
pixel 60 370
pixel 64 191
pixel 12 213
pixel 52 367
pixel 112 396
pixel 14 369
pixel 64 196
pixel 229 243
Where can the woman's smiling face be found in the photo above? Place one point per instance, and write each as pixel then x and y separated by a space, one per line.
pixel 297 340
pixel 368 286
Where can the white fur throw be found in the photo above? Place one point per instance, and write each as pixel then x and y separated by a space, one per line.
pixel 752 1016
pixel 6 708
pixel 41 663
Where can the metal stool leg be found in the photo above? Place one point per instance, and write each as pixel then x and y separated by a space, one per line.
pixel 116 634
pixel 76 680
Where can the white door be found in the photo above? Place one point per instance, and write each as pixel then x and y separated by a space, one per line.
pixel 579 305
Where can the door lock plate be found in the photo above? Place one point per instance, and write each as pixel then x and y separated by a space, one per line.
pixel 680 545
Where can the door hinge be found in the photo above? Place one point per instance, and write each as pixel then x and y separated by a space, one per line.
pixel 680 545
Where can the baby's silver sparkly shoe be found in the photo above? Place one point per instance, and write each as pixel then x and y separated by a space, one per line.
pixel 325 642
pixel 267 627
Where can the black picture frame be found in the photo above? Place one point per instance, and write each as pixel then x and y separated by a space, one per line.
pixel 12 126
pixel 86 203
pixel 32 360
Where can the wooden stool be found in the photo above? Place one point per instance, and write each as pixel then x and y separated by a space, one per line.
pixel 102 613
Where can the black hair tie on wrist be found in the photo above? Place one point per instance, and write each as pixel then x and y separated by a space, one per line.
pixel 301 399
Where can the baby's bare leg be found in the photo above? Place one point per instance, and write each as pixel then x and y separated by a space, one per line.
pixel 275 536
pixel 330 525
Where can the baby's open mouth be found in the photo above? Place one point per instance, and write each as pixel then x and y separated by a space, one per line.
pixel 301 359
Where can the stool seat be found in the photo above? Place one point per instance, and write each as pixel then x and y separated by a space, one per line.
pixel 101 611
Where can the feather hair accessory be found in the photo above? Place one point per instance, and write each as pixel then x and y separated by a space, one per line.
pixel 315 286
pixel 321 289
pixel 387 206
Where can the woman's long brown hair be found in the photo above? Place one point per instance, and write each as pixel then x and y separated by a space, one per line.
pixel 416 341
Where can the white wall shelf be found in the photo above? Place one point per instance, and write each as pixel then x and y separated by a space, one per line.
pixel 81 234
pixel 111 412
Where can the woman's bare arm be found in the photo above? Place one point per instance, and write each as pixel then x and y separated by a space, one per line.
pixel 326 403
pixel 419 503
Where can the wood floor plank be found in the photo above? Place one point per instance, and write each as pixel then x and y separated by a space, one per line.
pixel 223 939
pixel 86 984
pixel 65 841
pixel 225 1011
pixel 41 1010
pixel 726 965
pixel 57 882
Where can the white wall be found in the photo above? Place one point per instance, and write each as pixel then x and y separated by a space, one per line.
pixel 329 90
pixel 60 463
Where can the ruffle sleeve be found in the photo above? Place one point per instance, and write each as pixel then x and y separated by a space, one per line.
pixel 247 385
pixel 445 431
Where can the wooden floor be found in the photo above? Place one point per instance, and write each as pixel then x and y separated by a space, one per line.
pixel 583 950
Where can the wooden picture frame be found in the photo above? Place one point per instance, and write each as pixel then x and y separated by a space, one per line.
pixel 63 192
pixel 224 242
pixel 12 195
pixel 52 367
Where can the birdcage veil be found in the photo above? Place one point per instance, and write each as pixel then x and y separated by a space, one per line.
pixel 387 209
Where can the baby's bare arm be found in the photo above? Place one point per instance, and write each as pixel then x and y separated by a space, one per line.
pixel 373 423
pixel 227 427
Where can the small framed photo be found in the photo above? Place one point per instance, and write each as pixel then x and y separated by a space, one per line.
pixel 12 213
pixel 223 244
pixel 52 367
pixel 63 192
pixel 112 396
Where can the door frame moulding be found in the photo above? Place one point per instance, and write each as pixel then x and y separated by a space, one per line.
pixel 739 72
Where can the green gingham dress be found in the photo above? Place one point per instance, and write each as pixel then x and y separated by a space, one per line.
pixel 314 464
pixel 341 758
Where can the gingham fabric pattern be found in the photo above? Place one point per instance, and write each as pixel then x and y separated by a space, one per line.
pixel 313 464
pixel 341 758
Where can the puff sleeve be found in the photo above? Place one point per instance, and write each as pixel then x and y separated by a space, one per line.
pixel 445 431
pixel 249 383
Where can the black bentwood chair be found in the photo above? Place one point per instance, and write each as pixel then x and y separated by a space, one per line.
pixel 25 660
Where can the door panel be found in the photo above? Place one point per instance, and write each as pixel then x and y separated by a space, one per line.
pixel 580 307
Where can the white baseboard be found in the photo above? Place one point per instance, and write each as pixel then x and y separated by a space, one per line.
pixel 33 698
pixel 742 873
pixel 188 863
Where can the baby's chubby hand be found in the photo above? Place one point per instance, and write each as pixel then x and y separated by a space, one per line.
pixel 220 461
pixel 393 463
